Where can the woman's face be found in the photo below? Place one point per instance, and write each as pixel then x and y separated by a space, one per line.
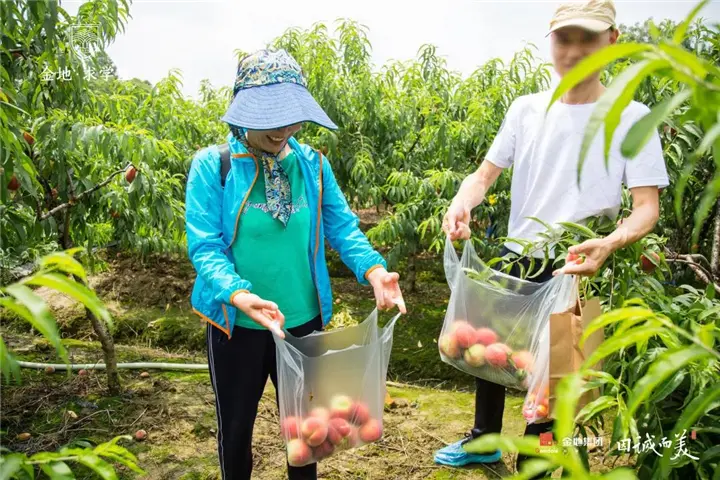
pixel 272 141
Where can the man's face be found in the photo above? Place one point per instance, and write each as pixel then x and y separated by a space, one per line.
pixel 572 44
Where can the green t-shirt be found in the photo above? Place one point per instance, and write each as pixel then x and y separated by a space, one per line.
pixel 275 259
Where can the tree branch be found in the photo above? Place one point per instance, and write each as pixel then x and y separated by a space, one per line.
pixel 84 194
pixel 690 260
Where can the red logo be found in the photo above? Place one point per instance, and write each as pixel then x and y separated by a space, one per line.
pixel 693 434
pixel 546 439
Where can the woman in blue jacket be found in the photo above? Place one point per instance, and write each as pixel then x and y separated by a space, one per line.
pixel 256 239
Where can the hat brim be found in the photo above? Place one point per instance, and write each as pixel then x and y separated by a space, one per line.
pixel 268 107
pixel 590 24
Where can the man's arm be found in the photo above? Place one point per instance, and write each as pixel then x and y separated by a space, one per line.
pixel 471 194
pixel 476 185
pixel 642 220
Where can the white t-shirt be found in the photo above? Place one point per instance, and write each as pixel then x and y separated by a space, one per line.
pixel 545 151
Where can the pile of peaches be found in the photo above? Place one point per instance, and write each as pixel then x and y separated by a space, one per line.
pixel 479 347
pixel 345 424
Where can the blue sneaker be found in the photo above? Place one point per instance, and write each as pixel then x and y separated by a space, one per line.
pixel 455 455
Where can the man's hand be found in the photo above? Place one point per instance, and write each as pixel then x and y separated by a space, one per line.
pixel 387 289
pixel 586 258
pixel 644 216
pixel 261 311
pixel 456 223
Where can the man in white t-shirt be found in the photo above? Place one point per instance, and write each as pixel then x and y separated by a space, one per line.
pixel 544 153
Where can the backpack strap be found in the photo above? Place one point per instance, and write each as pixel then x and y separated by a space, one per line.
pixel 224 162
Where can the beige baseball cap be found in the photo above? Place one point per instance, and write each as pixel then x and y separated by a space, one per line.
pixel 593 15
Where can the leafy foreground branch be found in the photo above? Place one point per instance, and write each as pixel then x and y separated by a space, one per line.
pixel 636 329
pixel 55 466
pixel 63 273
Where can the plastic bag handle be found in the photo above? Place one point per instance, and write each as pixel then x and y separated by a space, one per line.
pixel 451 262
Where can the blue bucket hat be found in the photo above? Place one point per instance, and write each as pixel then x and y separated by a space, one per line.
pixel 271 92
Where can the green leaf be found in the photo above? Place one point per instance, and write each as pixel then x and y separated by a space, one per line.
pixel 709 454
pixel 707 401
pixel 622 473
pixel 628 338
pixel 682 28
pixel 491 442
pixel 57 471
pixel 11 465
pixel 705 334
pixel 8 365
pixel 611 105
pixel 668 387
pixel 595 407
pixel 595 62
pixel 65 262
pixel 685 58
pixel 661 369
pixel 578 229
pixel 643 130
pixel 75 290
pixel 707 201
pixel 708 140
pixel 568 392
pixel 33 308
pixel 534 467
pixel 706 313
pixel 98 465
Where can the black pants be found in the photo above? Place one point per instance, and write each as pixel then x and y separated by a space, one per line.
pixel 239 369
pixel 490 397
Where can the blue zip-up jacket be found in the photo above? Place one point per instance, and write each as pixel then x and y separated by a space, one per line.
pixel 212 218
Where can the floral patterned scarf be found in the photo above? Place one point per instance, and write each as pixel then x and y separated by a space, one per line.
pixel 277 184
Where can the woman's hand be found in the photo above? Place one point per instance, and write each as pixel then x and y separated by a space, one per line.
pixel 387 289
pixel 261 311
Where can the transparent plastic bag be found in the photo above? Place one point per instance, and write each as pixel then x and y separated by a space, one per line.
pixel 331 389
pixel 497 326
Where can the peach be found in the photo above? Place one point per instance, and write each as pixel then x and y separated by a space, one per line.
pixel 475 355
pixel 541 411
pixel 464 334
pixel 449 346
pixel 371 431
pixel 321 413
pixel 352 440
pixel 497 354
pixel 359 413
pixel 334 436
pixel 298 453
pixel 314 431
pixel 140 435
pixel 528 414
pixel 341 426
pixel 323 451
pixel 485 336
pixel 290 427
pixel 523 360
pixel 341 407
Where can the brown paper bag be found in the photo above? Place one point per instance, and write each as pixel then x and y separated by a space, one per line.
pixel 566 356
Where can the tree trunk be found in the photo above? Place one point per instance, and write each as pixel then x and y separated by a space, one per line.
pixel 411 273
pixel 108 348
pixel 715 255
